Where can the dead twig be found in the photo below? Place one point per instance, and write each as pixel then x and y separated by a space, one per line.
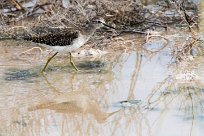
pixel 18 5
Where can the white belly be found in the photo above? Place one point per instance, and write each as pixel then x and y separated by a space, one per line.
pixel 77 43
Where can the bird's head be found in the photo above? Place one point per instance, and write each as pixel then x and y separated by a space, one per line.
pixel 99 22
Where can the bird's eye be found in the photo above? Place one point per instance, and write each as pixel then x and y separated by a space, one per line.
pixel 98 21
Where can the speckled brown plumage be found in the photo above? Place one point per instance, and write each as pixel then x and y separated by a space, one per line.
pixel 54 39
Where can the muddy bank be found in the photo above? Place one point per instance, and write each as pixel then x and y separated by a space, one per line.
pixel 122 14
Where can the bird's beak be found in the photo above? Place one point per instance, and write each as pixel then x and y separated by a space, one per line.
pixel 108 26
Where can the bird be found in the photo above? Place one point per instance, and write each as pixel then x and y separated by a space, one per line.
pixel 67 40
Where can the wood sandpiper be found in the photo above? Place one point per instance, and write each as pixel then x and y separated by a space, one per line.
pixel 68 41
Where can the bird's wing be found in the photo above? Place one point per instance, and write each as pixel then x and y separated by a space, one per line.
pixel 60 38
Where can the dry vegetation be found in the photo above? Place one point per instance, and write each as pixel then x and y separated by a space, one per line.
pixel 122 14
pixel 130 16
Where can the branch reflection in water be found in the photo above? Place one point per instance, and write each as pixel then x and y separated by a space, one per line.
pixel 75 102
pixel 68 103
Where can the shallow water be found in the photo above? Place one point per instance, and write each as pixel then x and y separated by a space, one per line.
pixel 134 93
pixel 117 94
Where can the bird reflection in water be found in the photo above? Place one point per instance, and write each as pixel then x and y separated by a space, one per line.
pixel 76 102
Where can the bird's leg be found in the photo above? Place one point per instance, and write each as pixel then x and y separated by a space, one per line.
pixel 49 59
pixel 72 63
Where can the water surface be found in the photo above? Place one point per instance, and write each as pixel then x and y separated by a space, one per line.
pixel 117 94
pixel 120 93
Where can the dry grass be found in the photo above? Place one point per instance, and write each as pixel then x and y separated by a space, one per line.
pixel 127 16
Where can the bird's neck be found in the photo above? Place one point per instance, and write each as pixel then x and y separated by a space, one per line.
pixel 90 30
